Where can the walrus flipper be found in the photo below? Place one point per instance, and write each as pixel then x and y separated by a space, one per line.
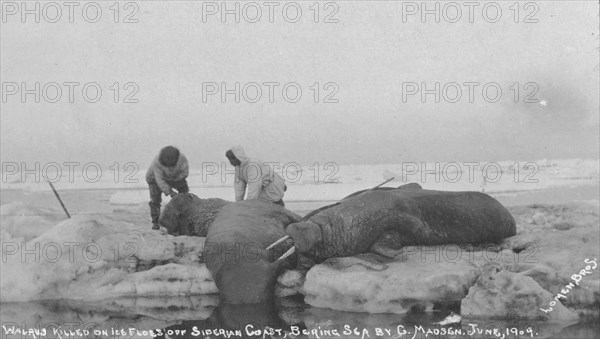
pixel 386 249
pixel 399 233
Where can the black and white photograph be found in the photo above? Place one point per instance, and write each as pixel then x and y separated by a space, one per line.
pixel 303 169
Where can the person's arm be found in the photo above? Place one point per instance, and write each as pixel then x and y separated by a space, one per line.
pixel 254 181
pixel 239 185
pixel 184 168
pixel 162 184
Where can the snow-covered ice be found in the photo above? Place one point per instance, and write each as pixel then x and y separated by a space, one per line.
pixel 99 257
pixel 103 256
pixel 516 279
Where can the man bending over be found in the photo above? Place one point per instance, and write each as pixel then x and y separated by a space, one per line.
pixel 168 171
pixel 260 180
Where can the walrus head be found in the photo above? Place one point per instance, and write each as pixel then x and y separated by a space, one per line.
pixel 186 214
pixel 306 235
pixel 173 217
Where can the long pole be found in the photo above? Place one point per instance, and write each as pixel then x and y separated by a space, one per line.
pixel 293 248
pixel 383 183
pixel 59 199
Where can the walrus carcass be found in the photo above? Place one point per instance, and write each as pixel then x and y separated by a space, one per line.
pixel 384 220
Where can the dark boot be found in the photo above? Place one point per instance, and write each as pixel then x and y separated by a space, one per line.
pixel 155 214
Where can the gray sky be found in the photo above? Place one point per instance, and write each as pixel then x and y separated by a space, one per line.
pixel 368 54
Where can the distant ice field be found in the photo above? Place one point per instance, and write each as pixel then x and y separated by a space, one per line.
pixel 511 182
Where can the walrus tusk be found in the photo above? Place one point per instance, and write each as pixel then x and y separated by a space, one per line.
pixel 291 250
pixel 278 242
pixel 288 253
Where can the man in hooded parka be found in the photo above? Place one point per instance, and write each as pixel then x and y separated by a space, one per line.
pixel 259 179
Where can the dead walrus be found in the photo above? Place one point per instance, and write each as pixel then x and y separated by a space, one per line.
pixel 384 220
pixel 186 214
pixel 235 250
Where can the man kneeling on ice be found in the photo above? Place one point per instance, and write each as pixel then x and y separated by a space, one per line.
pixel 168 171
pixel 262 182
